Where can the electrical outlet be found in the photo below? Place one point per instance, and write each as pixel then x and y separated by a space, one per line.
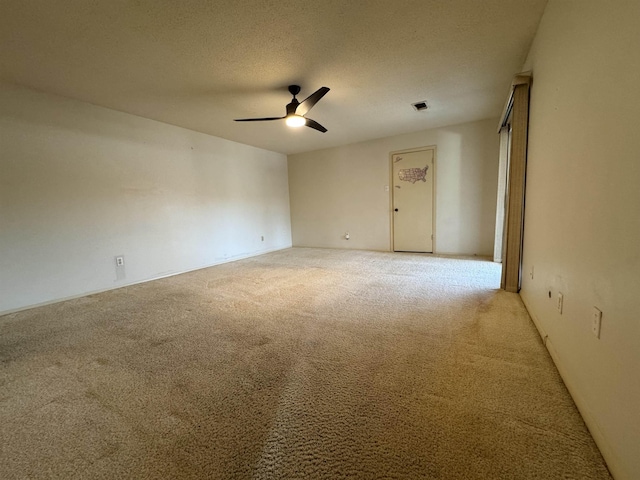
pixel 531 272
pixel 120 273
pixel 560 302
pixel 346 236
pixel 262 238
pixel 596 321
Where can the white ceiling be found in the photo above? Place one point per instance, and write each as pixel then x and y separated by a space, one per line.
pixel 201 63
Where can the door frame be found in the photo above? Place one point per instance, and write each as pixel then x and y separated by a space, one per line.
pixel 433 193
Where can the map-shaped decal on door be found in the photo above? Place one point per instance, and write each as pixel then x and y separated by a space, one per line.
pixel 413 174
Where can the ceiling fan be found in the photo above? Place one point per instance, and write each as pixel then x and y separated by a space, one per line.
pixel 296 110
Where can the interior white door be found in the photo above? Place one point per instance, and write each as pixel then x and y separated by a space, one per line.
pixel 413 201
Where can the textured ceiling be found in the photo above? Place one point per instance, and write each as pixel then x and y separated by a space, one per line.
pixel 201 63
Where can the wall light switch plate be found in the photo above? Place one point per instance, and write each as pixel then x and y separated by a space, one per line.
pixel 560 302
pixel 596 321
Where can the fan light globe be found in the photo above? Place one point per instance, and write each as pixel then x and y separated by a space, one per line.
pixel 295 121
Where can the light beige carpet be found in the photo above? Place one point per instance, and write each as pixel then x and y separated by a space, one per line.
pixel 304 363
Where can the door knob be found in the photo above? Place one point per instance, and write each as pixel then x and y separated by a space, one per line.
pixel 396 210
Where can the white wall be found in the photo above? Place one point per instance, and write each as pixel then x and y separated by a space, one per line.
pixel 342 189
pixel 582 220
pixel 80 184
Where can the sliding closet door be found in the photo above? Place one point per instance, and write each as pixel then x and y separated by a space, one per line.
pixel 517 117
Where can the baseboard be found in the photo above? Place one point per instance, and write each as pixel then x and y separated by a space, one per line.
pixel 536 322
pixel 324 247
pixel 158 277
pixel 610 458
pixel 463 256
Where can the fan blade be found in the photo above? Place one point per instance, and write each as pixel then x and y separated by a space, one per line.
pixel 257 119
pixel 311 100
pixel 315 125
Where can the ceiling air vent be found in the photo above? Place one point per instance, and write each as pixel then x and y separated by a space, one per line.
pixel 419 106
